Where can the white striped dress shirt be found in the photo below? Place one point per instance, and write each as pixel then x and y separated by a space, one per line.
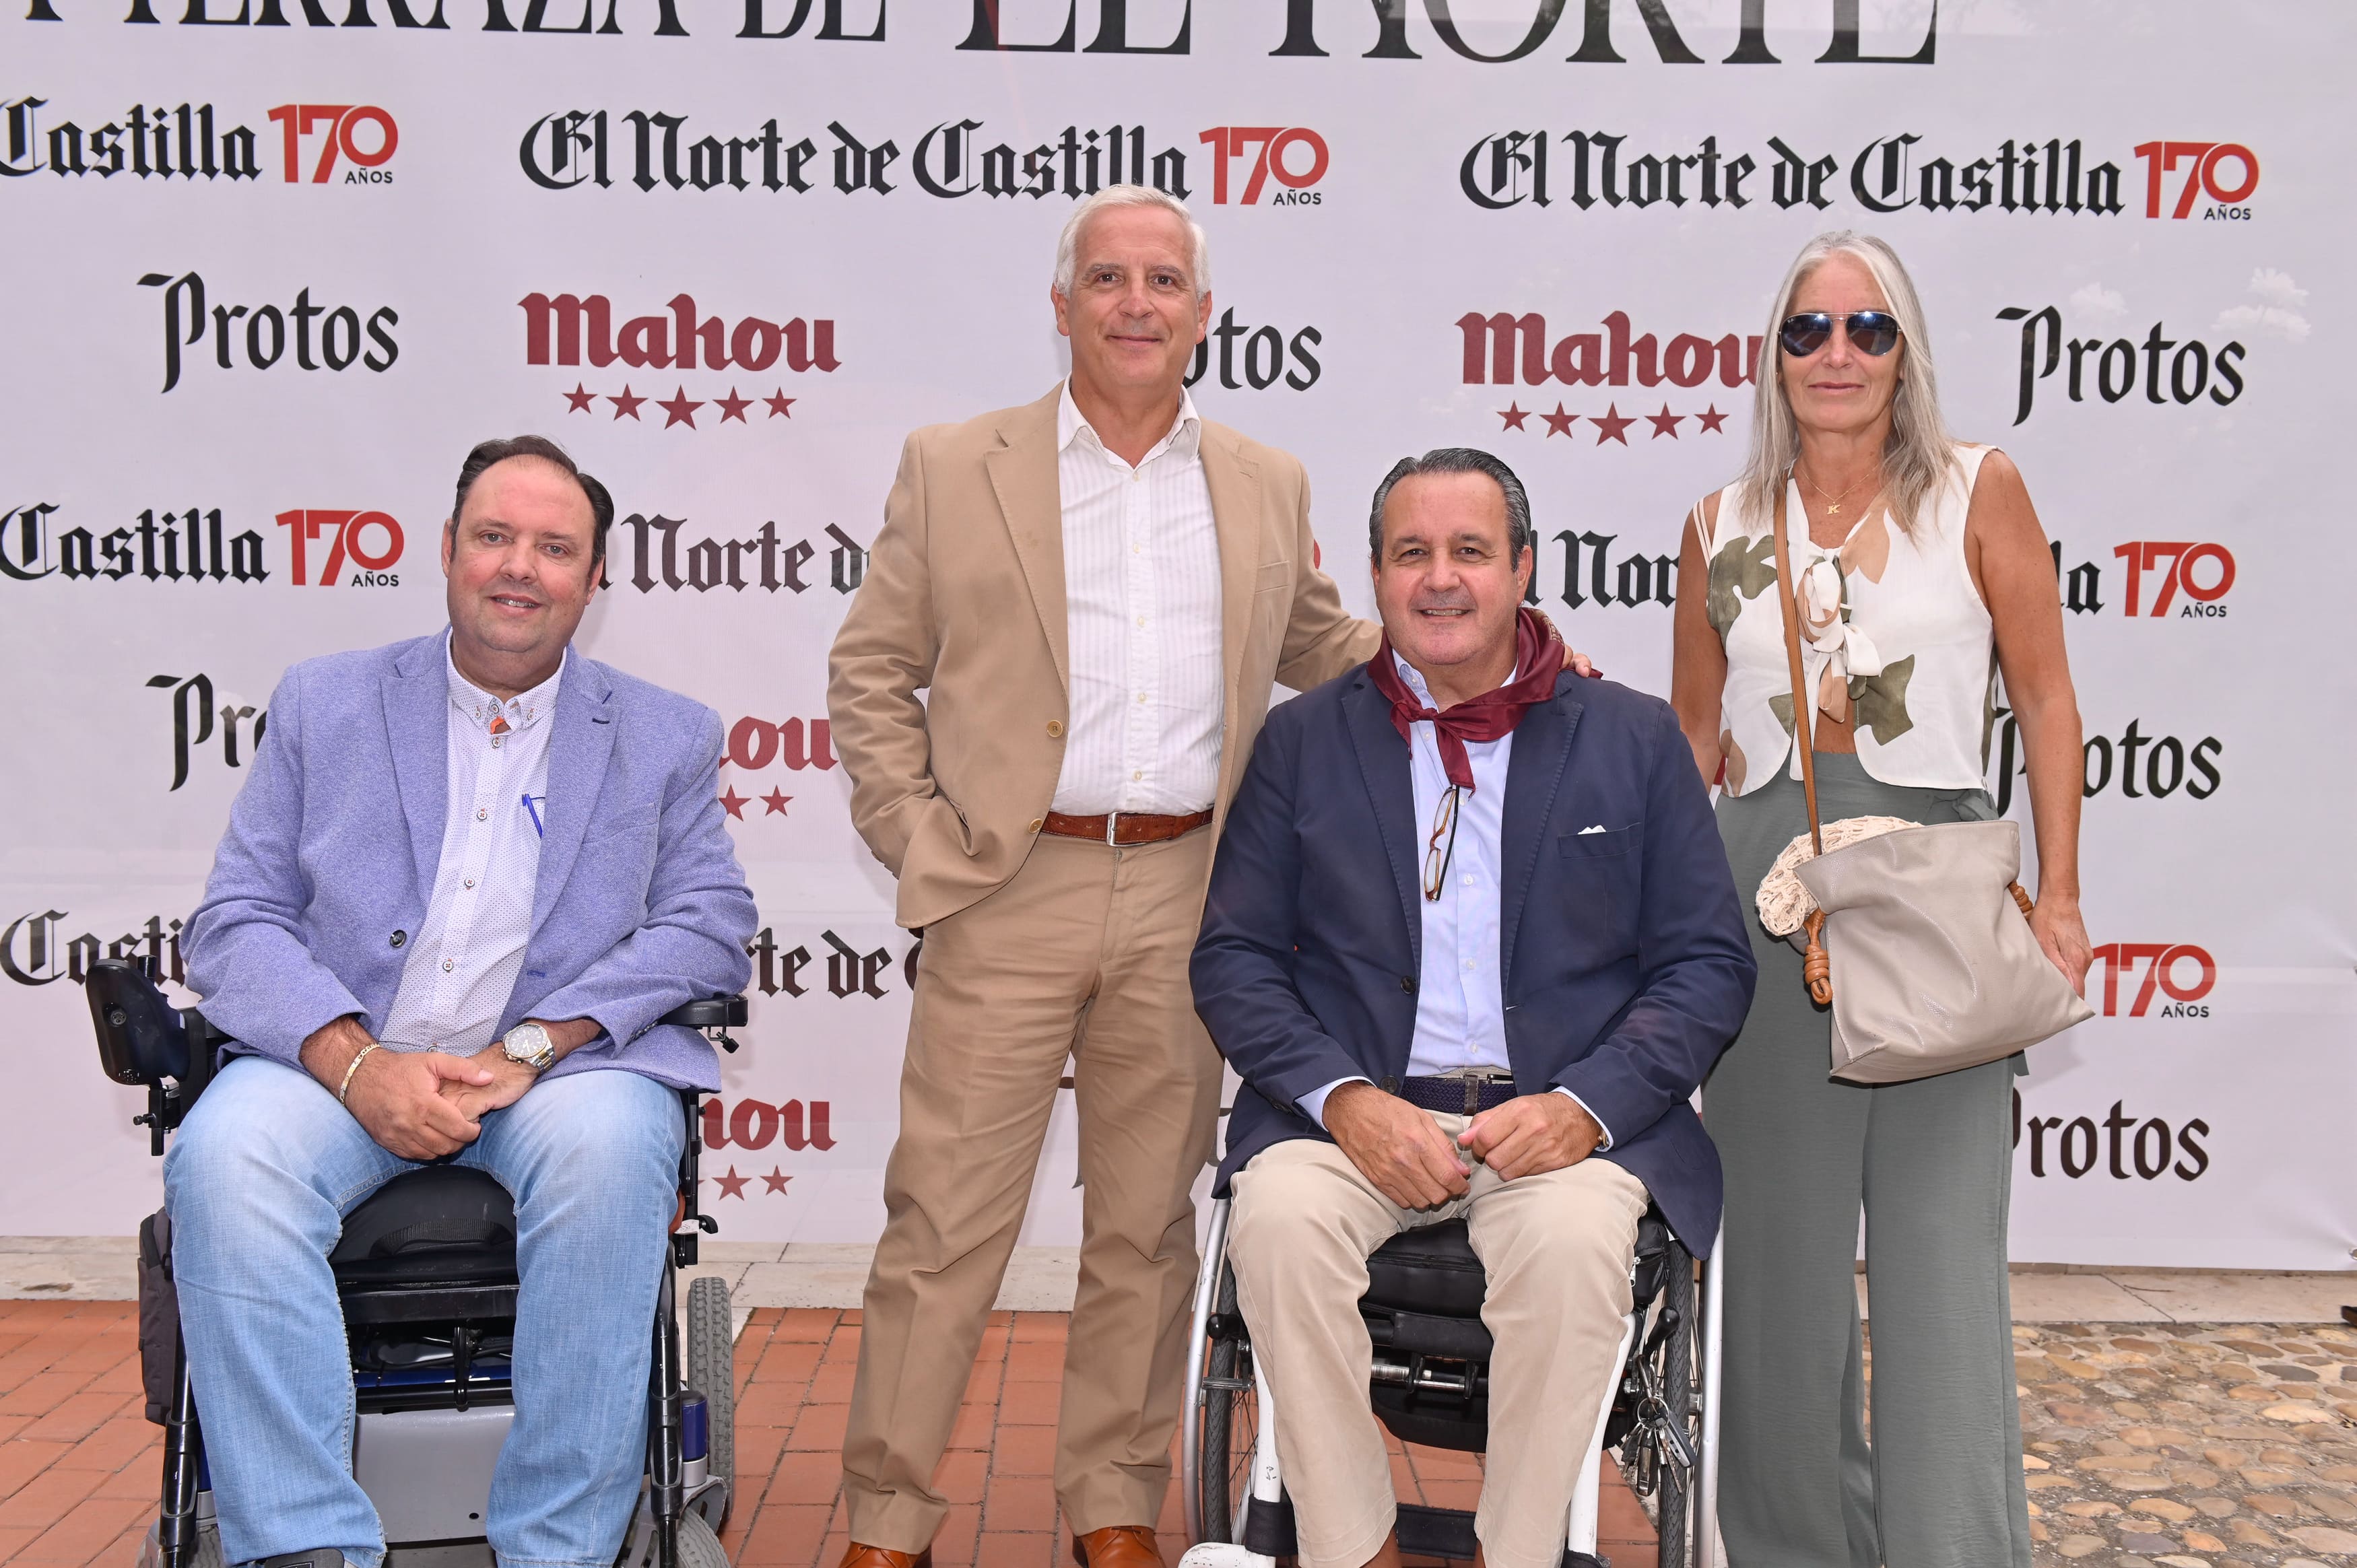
pixel 463 965
pixel 1142 619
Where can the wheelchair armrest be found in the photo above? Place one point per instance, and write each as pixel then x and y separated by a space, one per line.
pixel 711 1012
pixel 141 1039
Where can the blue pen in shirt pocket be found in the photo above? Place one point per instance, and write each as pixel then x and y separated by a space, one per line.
pixel 537 825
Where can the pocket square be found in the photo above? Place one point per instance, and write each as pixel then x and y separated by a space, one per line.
pixel 1597 829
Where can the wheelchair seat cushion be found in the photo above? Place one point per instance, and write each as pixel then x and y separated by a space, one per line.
pixel 1430 1270
pixel 439 1225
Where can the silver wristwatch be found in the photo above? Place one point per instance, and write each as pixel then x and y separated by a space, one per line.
pixel 530 1044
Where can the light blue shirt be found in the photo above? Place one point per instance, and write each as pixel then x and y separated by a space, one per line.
pixel 1461 1015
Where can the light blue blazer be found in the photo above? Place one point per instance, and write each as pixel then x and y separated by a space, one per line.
pixel 323 878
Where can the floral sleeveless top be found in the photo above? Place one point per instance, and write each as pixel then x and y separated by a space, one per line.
pixel 1896 640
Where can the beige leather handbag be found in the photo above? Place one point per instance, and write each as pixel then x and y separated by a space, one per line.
pixel 1921 937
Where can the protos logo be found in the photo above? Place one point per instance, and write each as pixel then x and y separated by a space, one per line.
pixel 263 337
pixel 1294 155
pixel 2111 370
pixel 2167 968
pixel 363 135
pixel 2227 171
pixel 370 540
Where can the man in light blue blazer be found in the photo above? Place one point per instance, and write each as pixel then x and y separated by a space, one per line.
pixel 467 874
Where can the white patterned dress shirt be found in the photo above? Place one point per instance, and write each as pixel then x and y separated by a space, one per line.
pixel 1460 1008
pixel 463 961
pixel 1142 591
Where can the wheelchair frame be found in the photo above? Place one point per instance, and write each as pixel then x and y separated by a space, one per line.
pixel 1646 1439
pixel 144 1042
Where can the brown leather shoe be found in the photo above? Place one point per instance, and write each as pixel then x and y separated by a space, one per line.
pixel 1117 1546
pixel 859 1556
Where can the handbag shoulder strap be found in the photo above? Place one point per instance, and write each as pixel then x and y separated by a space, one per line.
pixel 1801 736
pixel 1816 969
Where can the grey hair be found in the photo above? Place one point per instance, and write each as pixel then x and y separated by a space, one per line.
pixel 1916 457
pixel 1068 245
pixel 1520 534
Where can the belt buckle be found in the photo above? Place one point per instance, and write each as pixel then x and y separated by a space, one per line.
pixel 1113 840
pixel 1477 1079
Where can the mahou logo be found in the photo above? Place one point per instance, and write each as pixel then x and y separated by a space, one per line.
pixel 567 328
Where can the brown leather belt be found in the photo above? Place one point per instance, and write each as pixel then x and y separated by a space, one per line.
pixel 1123 827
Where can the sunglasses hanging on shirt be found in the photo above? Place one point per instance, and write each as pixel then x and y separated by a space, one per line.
pixel 1872 332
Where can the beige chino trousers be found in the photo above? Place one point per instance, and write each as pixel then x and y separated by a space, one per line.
pixel 1556 1248
pixel 1083 955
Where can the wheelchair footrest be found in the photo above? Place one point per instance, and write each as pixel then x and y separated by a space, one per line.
pixel 1435 1532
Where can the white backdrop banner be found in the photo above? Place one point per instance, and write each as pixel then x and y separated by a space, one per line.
pixel 272 266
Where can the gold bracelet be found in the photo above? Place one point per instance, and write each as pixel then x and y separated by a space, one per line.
pixel 358 1057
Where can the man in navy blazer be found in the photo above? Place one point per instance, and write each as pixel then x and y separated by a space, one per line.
pixel 1471 944
pixel 466 873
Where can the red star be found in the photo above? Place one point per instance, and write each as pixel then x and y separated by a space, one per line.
pixel 779 403
pixel 776 801
pixel 775 1180
pixel 579 399
pixel 732 406
pixel 1711 418
pixel 733 802
pixel 1666 423
pixel 625 403
pixel 681 407
pixel 1558 423
pixel 1513 413
pixel 1611 424
pixel 732 1185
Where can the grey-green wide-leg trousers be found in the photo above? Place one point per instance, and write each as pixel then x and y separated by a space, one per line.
pixel 1929 1162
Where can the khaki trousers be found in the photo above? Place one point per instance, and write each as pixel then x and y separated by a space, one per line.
pixel 1083 955
pixel 1557 1249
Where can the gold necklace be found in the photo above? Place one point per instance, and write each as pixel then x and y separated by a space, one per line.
pixel 1832 504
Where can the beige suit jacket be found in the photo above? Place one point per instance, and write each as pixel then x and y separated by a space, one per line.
pixel 965 599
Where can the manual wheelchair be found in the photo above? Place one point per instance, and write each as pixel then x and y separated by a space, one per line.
pixel 427 1273
pixel 1423 1311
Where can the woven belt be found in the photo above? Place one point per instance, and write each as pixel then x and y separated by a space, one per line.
pixel 1123 827
pixel 1456 1096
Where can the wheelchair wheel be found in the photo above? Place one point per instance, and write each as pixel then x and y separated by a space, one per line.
pixel 1667 1485
pixel 1231 1430
pixel 712 1372
pixel 208 1553
pixel 699 1543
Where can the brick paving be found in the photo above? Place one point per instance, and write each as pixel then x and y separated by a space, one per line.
pixel 793 1373
pixel 2179 1445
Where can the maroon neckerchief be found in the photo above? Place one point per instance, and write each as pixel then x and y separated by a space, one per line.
pixel 1538 654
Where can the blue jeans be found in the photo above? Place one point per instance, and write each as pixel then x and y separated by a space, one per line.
pixel 258 1182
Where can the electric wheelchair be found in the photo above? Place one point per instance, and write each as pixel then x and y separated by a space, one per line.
pixel 427 1273
pixel 1430 1386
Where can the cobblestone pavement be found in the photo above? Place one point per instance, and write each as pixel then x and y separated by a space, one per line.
pixel 2192 1446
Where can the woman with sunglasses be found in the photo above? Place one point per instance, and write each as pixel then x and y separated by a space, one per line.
pixel 1923 573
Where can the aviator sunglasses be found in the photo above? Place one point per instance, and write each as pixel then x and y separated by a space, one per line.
pixel 1874 332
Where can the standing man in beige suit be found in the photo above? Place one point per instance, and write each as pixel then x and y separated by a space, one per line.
pixel 1098 588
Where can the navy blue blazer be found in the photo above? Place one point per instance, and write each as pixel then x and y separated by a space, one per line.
pixel 1625 965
